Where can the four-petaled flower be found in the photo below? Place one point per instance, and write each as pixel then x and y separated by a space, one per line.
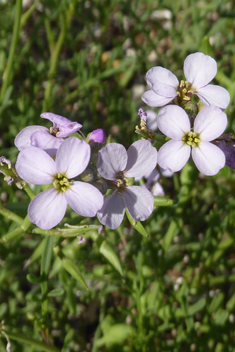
pixel 115 164
pixel 199 70
pixel 209 124
pixel 41 137
pixel 48 208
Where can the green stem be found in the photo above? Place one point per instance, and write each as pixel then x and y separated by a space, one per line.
pixel 45 264
pixel 55 53
pixel 28 13
pixel 8 72
pixel 10 215
pixel 18 231
pixel 29 191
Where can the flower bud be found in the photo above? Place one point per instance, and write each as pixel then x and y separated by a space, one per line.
pixel 96 138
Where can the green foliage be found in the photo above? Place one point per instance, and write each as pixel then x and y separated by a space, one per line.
pixel 163 285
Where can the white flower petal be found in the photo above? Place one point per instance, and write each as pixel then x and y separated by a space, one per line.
pixel 35 166
pixel 73 157
pixel 208 158
pixel 111 160
pixel 112 212
pixel 162 82
pixel 214 95
pixel 173 155
pixel 47 209
pixel 23 140
pixel 142 159
pixel 84 198
pixel 173 122
pixel 210 123
pixel 139 202
pixel 154 100
pixel 199 69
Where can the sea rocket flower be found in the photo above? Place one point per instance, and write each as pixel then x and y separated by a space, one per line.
pixel 199 70
pixel 209 124
pixel 48 208
pixel 116 164
pixel 41 137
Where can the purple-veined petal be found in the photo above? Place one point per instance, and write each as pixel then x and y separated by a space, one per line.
pixel 139 202
pixel 162 82
pixel 35 166
pixel 173 122
pixel 73 157
pixel 214 95
pixel 64 125
pixel 142 159
pixel 210 123
pixel 151 120
pixel 46 141
pixel 229 152
pixel 154 100
pixel 199 69
pixel 22 140
pixel 112 212
pixel 173 155
pixel 47 209
pixel 111 160
pixel 84 198
pixel 208 158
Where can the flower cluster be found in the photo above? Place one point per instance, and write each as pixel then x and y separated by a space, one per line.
pixel 79 170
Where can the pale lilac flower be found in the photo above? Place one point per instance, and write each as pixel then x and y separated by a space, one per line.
pixel 151 120
pixel 229 152
pixel 115 164
pixel 199 70
pixel 209 124
pixel 41 137
pixel 152 183
pixel 48 208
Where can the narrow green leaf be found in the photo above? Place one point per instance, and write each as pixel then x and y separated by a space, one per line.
pixel 56 292
pixel 28 340
pixel 107 251
pixel 137 225
pixel 35 279
pixel 221 316
pixel 170 234
pixel 162 201
pixel 116 334
pixel 73 270
pixel 46 255
pixel 196 307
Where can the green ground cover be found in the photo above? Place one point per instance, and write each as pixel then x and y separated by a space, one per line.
pixel 119 291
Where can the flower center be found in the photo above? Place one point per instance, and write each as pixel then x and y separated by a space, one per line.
pixel 121 181
pixel 61 183
pixel 54 131
pixel 192 139
pixel 184 93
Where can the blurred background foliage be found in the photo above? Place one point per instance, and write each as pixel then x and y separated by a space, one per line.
pixel 119 291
